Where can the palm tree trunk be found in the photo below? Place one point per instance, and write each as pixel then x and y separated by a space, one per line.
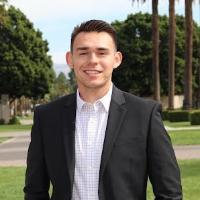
pixel 171 67
pixel 155 50
pixel 187 104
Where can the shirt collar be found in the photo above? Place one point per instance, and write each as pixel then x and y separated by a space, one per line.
pixel 105 100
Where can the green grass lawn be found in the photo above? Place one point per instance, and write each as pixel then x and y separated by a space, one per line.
pixel 12 181
pixel 190 180
pixel 179 124
pixel 11 128
pixel 185 137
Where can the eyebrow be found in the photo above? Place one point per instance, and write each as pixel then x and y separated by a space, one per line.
pixel 81 48
pixel 86 48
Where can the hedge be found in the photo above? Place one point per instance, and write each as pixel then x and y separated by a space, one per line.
pixel 195 118
pixel 165 115
pixel 178 116
pixel 2 121
pixel 14 120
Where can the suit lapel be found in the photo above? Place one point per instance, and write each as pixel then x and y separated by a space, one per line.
pixel 68 117
pixel 116 116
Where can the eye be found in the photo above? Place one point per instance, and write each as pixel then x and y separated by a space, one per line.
pixel 102 53
pixel 82 53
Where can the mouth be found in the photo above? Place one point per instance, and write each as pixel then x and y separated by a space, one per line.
pixel 92 72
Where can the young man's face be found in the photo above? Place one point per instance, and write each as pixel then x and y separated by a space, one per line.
pixel 93 59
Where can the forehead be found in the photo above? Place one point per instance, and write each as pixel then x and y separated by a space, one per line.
pixel 93 40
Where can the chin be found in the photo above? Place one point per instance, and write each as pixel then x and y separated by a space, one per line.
pixel 98 85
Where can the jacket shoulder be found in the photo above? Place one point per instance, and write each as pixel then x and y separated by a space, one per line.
pixel 140 101
pixel 56 104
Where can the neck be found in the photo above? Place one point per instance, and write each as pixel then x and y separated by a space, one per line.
pixel 91 95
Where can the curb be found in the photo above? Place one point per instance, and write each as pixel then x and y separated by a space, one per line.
pixel 15 134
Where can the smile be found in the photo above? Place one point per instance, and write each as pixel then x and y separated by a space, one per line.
pixel 91 72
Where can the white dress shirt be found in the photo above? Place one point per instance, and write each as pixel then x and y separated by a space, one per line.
pixel 91 121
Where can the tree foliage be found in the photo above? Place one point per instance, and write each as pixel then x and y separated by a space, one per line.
pixel 25 66
pixel 72 81
pixel 61 86
pixel 2 12
pixel 134 41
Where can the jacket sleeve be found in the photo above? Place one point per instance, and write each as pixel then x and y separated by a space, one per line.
pixel 36 180
pixel 164 173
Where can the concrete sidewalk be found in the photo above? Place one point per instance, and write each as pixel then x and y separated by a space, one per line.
pixel 182 128
pixel 15 134
pixel 184 152
pixel 13 152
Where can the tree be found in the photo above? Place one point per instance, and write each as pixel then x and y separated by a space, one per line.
pixel 25 66
pixel 196 68
pixel 134 41
pixel 2 2
pixel 172 35
pixel 134 38
pixel 72 81
pixel 2 12
pixel 60 87
pixel 188 55
pixel 155 49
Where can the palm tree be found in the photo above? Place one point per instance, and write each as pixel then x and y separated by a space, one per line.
pixel 187 104
pixel 155 48
pixel 171 67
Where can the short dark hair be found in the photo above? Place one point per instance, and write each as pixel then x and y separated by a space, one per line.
pixel 94 26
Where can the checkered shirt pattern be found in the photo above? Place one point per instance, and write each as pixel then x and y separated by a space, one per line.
pixel 91 121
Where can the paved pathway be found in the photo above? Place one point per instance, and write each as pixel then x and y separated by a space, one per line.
pixel 13 152
pixel 26 121
pixel 182 128
pixel 187 152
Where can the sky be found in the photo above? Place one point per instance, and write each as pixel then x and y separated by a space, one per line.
pixel 56 19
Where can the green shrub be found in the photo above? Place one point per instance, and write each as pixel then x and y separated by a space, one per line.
pixel 14 120
pixel 2 121
pixel 165 114
pixel 195 118
pixel 178 116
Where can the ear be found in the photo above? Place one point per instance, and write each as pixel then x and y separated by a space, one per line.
pixel 118 59
pixel 69 59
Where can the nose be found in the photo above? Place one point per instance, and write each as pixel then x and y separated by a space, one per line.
pixel 93 59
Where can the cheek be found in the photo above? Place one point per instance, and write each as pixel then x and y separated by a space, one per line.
pixel 109 66
pixel 107 63
pixel 76 65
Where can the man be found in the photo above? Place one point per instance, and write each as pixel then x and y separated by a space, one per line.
pixel 100 143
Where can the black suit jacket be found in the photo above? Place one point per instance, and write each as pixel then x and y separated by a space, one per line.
pixel 136 147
